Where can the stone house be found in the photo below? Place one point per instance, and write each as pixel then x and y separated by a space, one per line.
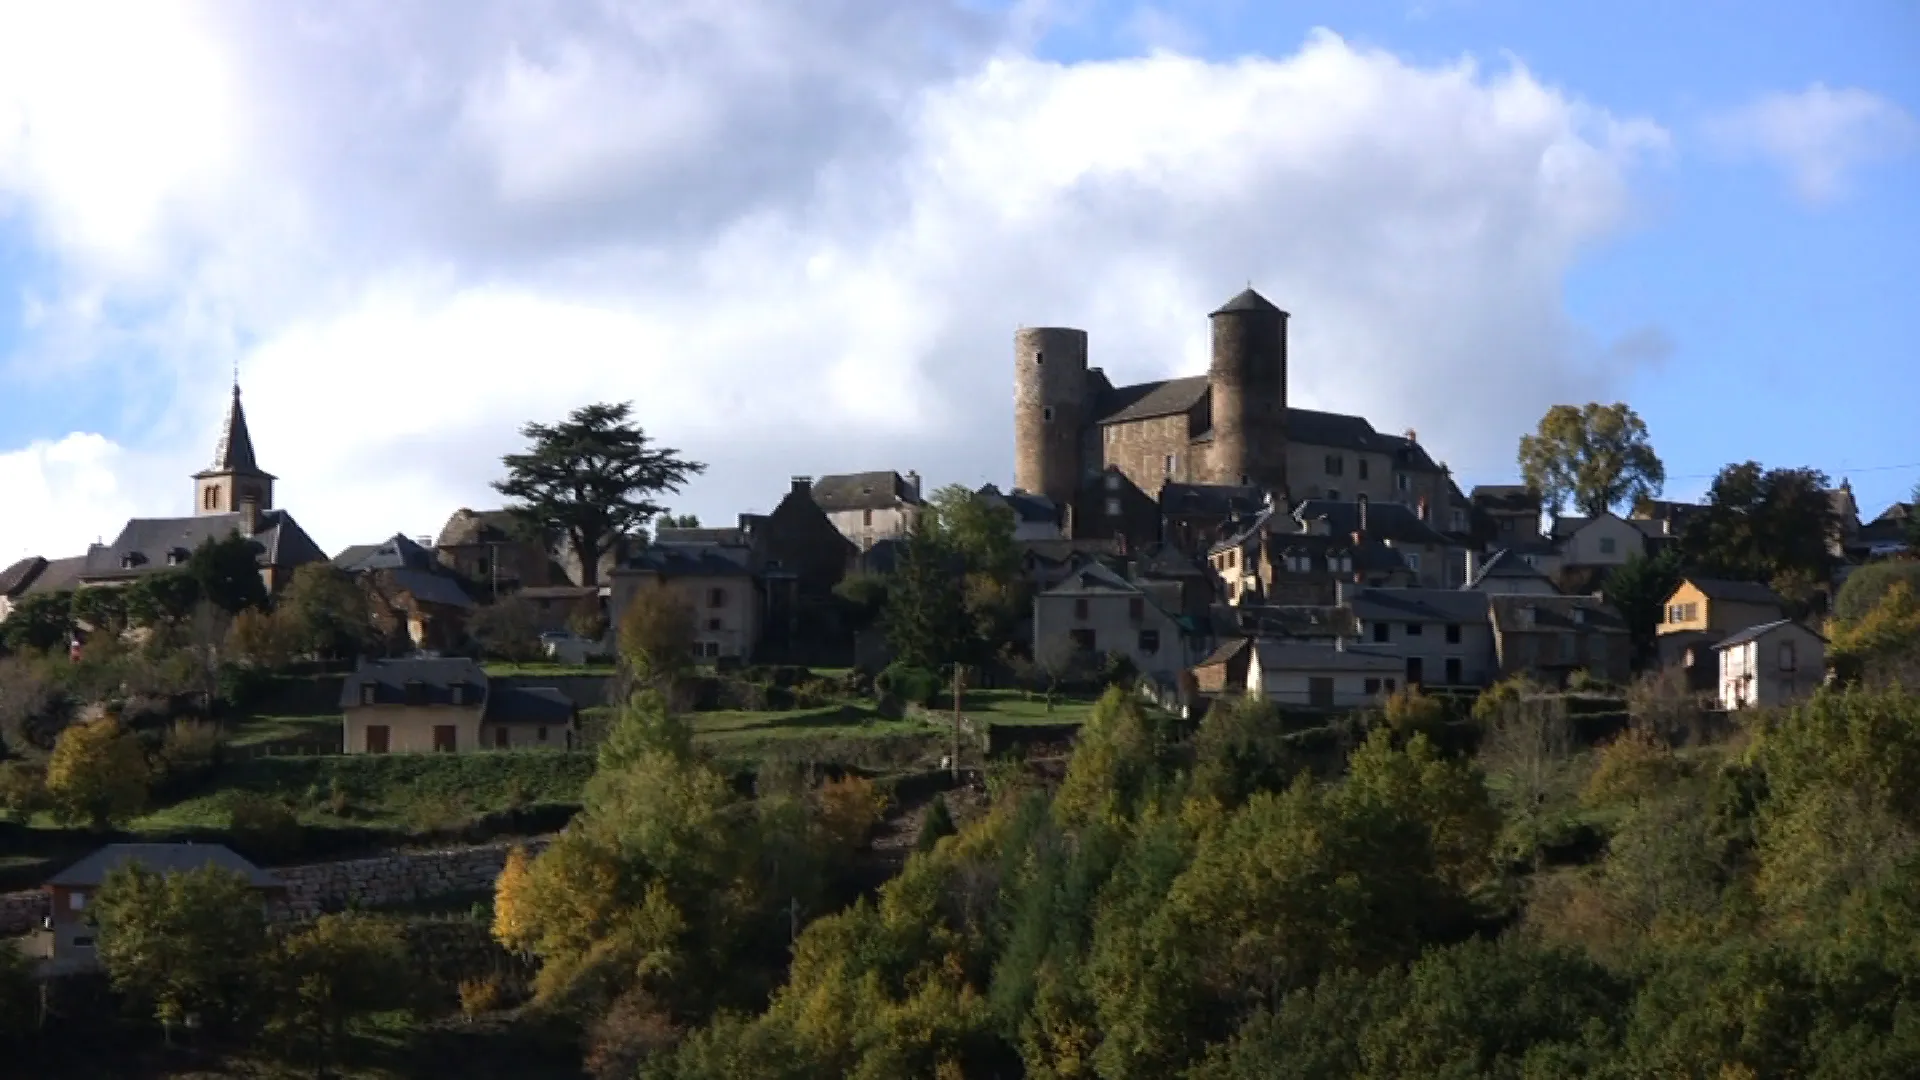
pixel 1506 516
pixel 1605 541
pixel 1885 535
pixel 1548 638
pixel 1035 517
pixel 1224 670
pixel 1195 517
pixel 1096 611
pixel 799 556
pixel 448 705
pixel 1431 559
pixel 487 549
pixel 1108 505
pixel 1277 559
pixel 1508 574
pixel 1770 665
pixel 1440 637
pixel 713 580
pixel 409 591
pixel 870 506
pixel 1302 674
pixel 554 607
pixel 66 941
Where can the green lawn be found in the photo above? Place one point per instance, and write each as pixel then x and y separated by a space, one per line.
pixel 1019 707
pixel 317 731
pixel 500 669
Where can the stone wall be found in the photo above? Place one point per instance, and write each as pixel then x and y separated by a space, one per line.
pixel 387 880
pixel 21 911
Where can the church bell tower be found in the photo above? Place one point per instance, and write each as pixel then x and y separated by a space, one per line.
pixel 235 477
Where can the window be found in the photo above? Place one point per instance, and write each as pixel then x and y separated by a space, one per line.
pixel 1371 686
pixel 1453 671
pixel 1415 629
pixel 1080 609
pixel 502 738
pixel 716 598
pixel 445 738
pixel 377 739
pixel 866 518
pixel 1606 545
pixel 459 694
pixel 83 943
pixel 1381 631
pixel 416 692
pixel 1389 686
pixel 1082 639
pixel 1113 507
pixel 367 691
pixel 1320 691
pixel 1334 494
pixel 77 902
pixel 1243 480
pixel 713 624
pixel 1046 414
pixel 1170 462
pixel 713 649
pixel 1362 463
pixel 1404 481
pixel 1415 671
pixel 1453 633
pixel 1136 609
pixel 1413 560
pixel 1335 465
pixel 1113 481
pixel 176 557
pixel 1346 564
pixel 541 733
pixel 1039 359
pixel 1788 659
pixel 1149 641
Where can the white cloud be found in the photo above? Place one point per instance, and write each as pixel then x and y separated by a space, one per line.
pixel 1819 136
pixel 798 237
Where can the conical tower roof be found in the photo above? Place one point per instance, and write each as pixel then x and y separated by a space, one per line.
pixel 1248 300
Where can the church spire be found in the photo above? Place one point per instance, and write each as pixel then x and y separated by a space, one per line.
pixel 235 452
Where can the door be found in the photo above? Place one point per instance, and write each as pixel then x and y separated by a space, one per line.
pixel 1453 671
pixel 1415 675
pixel 502 738
pixel 376 738
pixel 1320 692
pixel 444 738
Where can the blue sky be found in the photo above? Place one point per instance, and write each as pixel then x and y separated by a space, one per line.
pixel 414 229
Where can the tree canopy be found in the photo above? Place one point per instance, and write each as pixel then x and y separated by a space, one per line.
pixel 591 478
pixel 926 617
pixel 227 571
pixel 1596 457
pixel 1764 525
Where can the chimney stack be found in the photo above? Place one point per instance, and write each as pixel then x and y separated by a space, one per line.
pixel 249 516
pixel 803 485
pixel 913 481
pixel 1473 565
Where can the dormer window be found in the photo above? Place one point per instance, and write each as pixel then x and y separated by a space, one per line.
pixel 178 557
pixel 1579 616
pixel 416 692
pixel 459 693
pixel 367 691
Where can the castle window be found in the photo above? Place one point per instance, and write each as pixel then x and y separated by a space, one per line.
pixel 1363 468
pixel 1046 413
pixel 1335 464
pixel 1039 358
pixel 1170 460
pixel 1113 507
pixel 1405 481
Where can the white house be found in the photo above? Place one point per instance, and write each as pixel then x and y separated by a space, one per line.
pixel 1773 664
pixel 1321 676
pixel 870 507
pixel 1096 611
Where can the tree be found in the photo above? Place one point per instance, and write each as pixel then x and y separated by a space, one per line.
pixel 39 621
pixel 1638 589
pixel 228 573
pixel 1596 457
pixel 588 620
pixel 678 521
pixel 97 774
pixel 937 823
pixel 512 921
pixel 187 944
pixel 926 620
pixel 979 530
pixel 19 996
pixel 263 639
pixel 656 635
pixel 341 967
pixel 591 479
pixel 104 611
pixel 1762 524
pixel 325 611
pixel 507 629
pixel 162 599
pixel 864 596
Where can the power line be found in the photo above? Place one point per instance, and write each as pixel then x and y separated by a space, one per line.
pixel 1845 471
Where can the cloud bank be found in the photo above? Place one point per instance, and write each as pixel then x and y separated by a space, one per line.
pixel 800 239
pixel 1819 137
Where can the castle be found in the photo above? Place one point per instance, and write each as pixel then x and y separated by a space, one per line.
pixel 1231 427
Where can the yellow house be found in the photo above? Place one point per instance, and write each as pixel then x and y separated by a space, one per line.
pixel 1719 607
pixel 435 705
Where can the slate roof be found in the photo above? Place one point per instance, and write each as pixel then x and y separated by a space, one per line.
pixel 1226 651
pixel 1306 656
pixel 165 859
pixel 1281 620
pixel 1167 561
pixel 15 579
pixel 1143 401
pixel 428 587
pixel 1420 605
pixel 234 452
pixel 390 554
pixel 1564 527
pixel 864 491
pixel 437 675
pixel 1026 505
pixel 1093 579
pixel 509 704
pixel 685 560
pixel 1754 633
pixel 477 527
pixel 1060 551
pixel 1385 521
pixel 1556 613
pixel 1246 300
pixel 58 575
pixel 1505 498
pixel 733 536
pixel 157 543
pixel 1735 592
pixel 1212 500
pixel 1505 564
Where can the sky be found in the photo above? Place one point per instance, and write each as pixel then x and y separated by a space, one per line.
pixel 799 235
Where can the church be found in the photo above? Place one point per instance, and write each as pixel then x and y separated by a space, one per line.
pixel 1229 433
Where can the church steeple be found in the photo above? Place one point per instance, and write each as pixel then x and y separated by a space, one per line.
pixel 235 477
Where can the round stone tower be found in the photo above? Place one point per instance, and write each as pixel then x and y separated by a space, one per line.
pixel 1049 409
pixel 1248 379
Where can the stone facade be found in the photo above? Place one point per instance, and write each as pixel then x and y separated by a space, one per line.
pixel 22 911
pixel 388 880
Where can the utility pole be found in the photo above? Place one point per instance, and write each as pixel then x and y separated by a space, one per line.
pixel 959 695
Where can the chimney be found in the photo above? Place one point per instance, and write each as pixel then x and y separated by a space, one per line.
pixel 249 516
pixel 913 481
pixel 1412 436
pixel 803 485
pixel 1473 565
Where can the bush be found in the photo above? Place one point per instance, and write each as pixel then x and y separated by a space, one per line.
pixel 23 789
pixel 241 687
pixel 188 756
pixel 911 684
pixel 34 707
pixel 480 996
pixel 937 823
pixel 98 774
pixel 507 630
pixel 264 826
pixel 1867 584
pixel 849 809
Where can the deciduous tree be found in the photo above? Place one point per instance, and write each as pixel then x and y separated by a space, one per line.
pixel 591 478
pixel 326 612
pixel 1762 524
pixel 98 773
pixel 926 619
pixel 657 636
pixel 227 571
pixel 340 968
pixel 1638 589
pixel 162 599
pixel 39 621
pixel 187 944
pixel 1596 457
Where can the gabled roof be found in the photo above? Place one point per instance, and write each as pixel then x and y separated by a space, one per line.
pixel 15 579
pixel 736 537
pixel 157 543
pixel 165 859
pixel 1143 401
pixel 1505 564
pixel 1735 592
pixel 1094 579
pixel 1211 500
pixel 864 491
pixel 1385 521
pixel 1064 550
pixel 1556 613
pixel 1026 505
pixel 427 587
pixel 1754 633
pixel 234 452
pixel 58 575
pixel 1167 561
pixel 1308 656
pixel 685 560
pixel 390 554
pixel 1418 605
pixel 510 704
pixel 1226 651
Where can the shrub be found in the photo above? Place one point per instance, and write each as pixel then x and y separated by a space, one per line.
pixel 97 774
pixel 188 755
pixel 481 995
pixel 34 707
pixel 265 826
pixel 1867 584
pixel 1586 682
pixel 23 789
pixel 507 630
pixel 937 823
pixel 918 686
pixel 849 809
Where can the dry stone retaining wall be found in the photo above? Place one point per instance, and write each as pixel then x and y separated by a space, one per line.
pixel 21 912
